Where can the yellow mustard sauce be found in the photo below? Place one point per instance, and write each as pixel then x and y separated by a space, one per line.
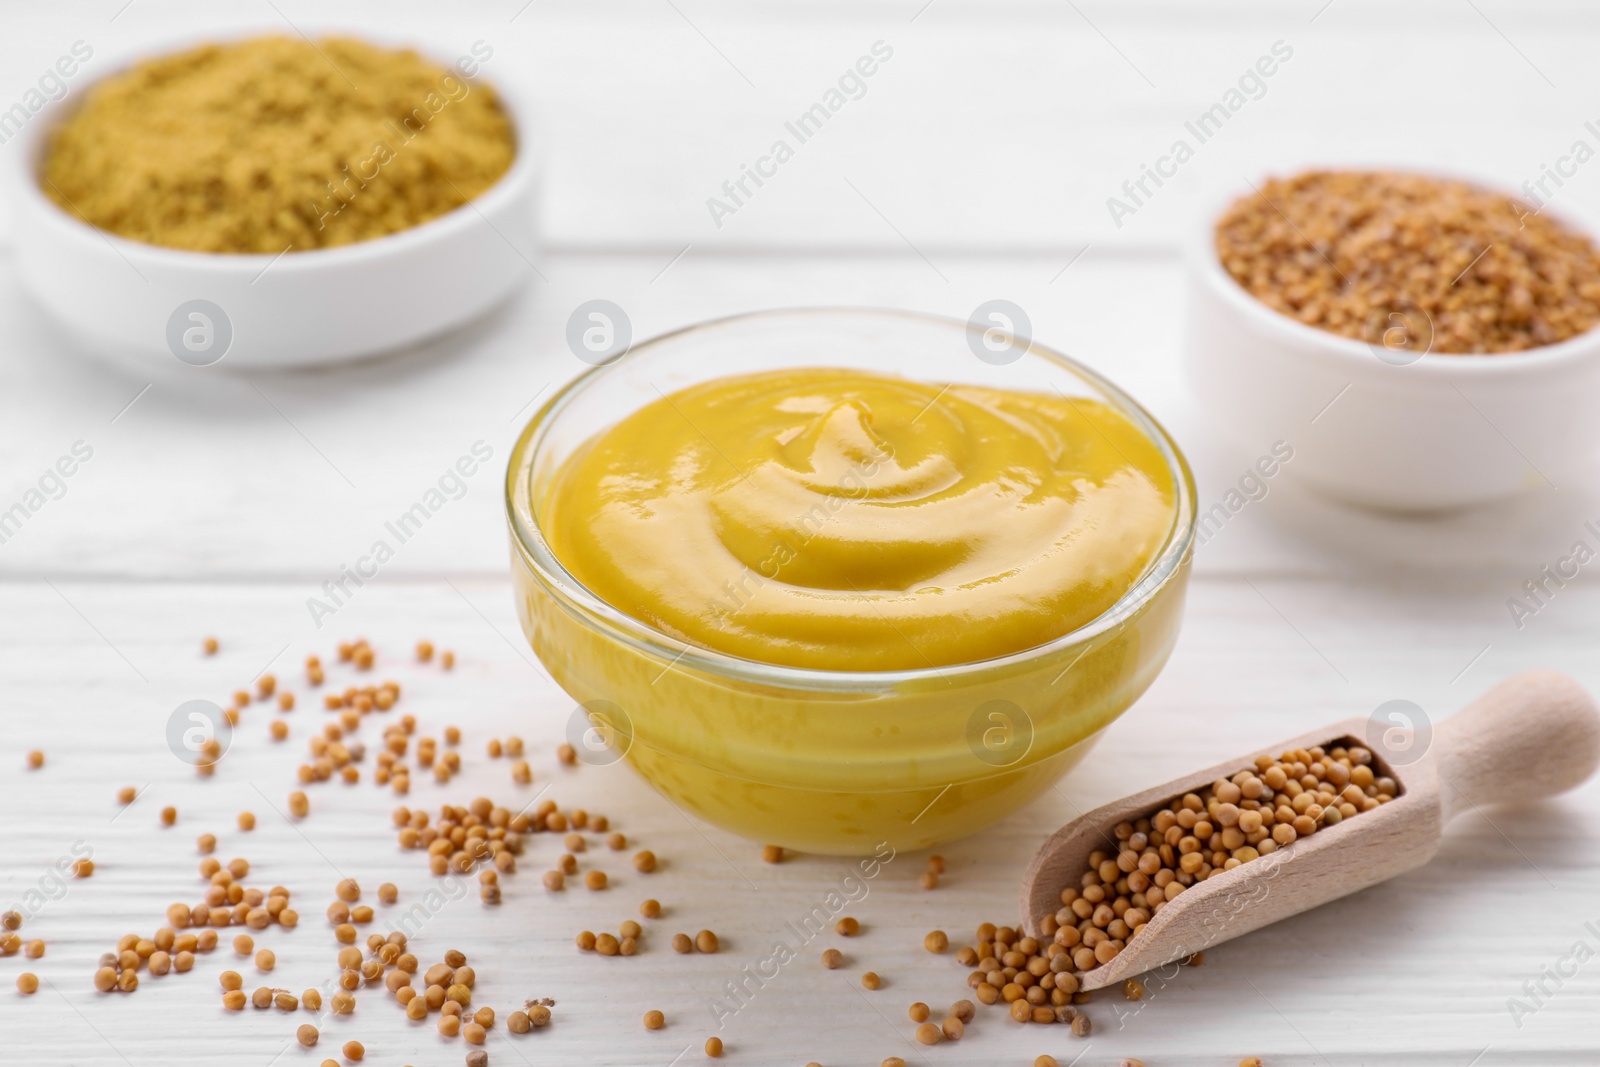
pixel 841 520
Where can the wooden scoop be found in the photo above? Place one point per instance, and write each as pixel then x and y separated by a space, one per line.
pixel 1530 737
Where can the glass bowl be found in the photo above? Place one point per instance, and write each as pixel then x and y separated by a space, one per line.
pixel 825 761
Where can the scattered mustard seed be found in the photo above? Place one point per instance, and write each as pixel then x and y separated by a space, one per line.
pixel 654 1020
pixel 713 1047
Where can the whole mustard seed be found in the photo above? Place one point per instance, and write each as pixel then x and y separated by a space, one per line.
pixel 247 821
pixel 919 1012
pixel 847 927
pixel 870 980
pixel 35 759
pixel 654 1020
pixel 594 879
pixel 518 1022
pixel 644 861
pixel 650 909
pixel 354 1050
pixel 169 815
pixel 27 983
pixel 233 999
pixel 929 1034
pixel 682 943
pixel 706 941
pixel 307 1035
pixel 771 854
pixel 1344 251
pixel 713 1047
pixel 832 959
pixel 936 941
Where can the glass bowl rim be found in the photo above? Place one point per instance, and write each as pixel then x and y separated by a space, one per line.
pixel 596 614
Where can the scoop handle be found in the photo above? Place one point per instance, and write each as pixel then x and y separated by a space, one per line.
pixel 1532 736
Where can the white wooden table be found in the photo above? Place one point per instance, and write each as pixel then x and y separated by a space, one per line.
pixel 977 164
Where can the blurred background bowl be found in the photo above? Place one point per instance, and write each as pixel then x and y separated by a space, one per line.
pixel 127 300
pixel 1395 428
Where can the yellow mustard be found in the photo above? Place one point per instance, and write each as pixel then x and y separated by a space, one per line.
pixel 841 520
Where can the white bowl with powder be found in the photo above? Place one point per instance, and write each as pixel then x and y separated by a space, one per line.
pixel 158 308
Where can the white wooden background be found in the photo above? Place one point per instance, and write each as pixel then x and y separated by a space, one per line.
pixel 976 166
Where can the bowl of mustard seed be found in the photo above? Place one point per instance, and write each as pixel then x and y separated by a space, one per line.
pixel 1422 342
pixel 268 200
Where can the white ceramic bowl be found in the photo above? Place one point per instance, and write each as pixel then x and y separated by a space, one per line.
pixel 121 299
pixel 1371 426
